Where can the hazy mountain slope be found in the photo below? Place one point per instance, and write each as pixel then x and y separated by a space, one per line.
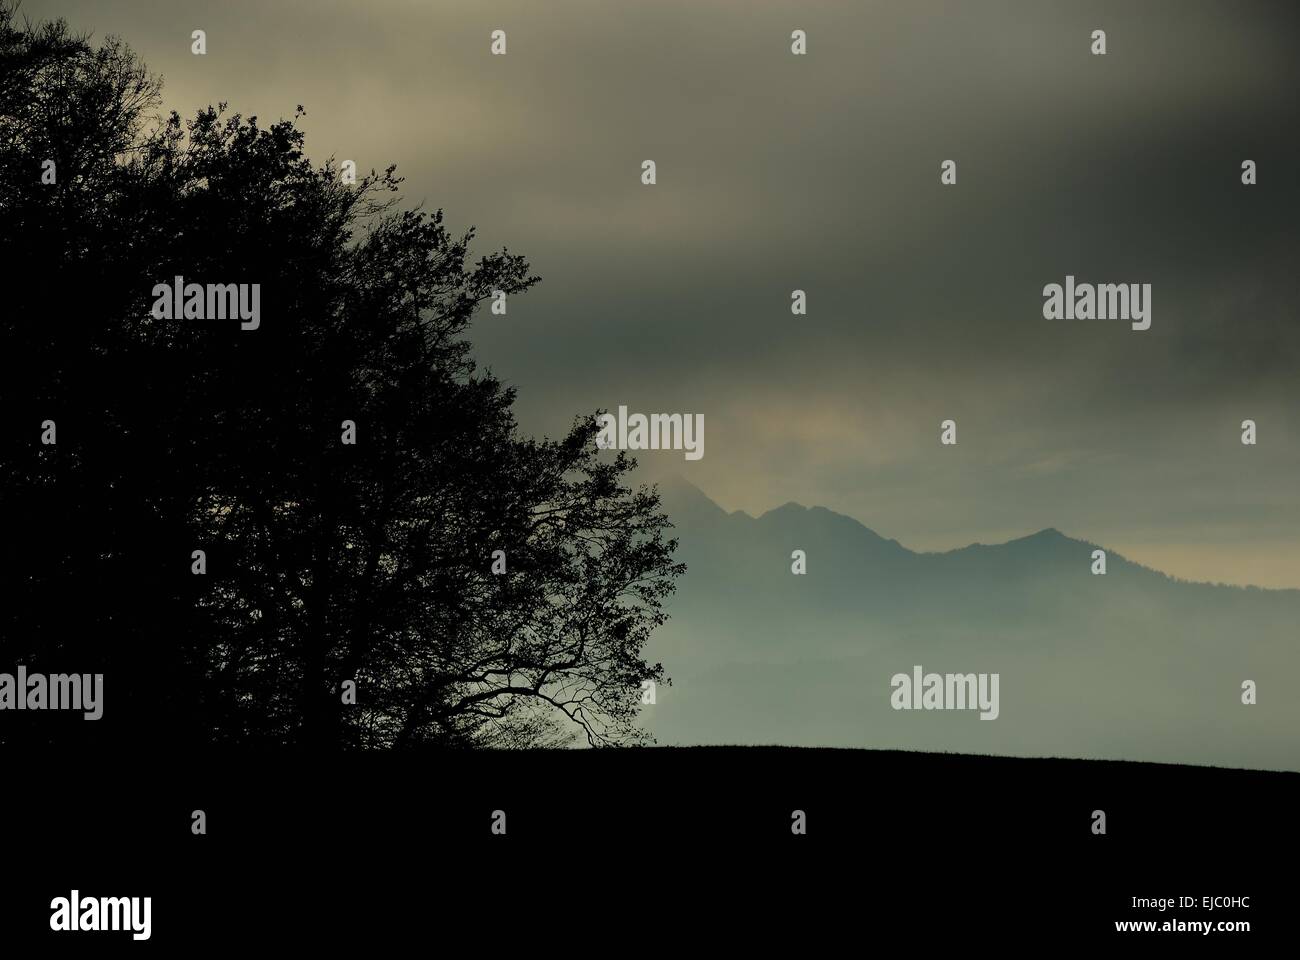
pixel 1130 665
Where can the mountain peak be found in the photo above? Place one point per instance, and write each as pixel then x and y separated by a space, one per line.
pixel 679 495
pixel 1047 538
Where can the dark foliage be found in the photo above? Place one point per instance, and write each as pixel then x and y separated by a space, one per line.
pixel 326 562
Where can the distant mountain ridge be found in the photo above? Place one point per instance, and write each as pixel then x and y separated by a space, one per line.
pixel 1134 664
pixel 680 496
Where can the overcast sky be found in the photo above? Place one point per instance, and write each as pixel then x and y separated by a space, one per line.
pixel 822 173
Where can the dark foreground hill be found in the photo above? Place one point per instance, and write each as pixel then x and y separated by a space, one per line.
pixel 348 848
pixel 658 795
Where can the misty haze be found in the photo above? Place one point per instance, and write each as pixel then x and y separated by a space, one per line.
pixel 1129 665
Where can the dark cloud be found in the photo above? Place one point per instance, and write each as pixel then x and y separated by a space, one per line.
pixel 822 173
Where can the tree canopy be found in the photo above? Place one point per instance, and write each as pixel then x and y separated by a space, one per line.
pixel 325 562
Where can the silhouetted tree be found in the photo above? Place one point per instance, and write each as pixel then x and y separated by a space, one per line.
pixel 326 562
